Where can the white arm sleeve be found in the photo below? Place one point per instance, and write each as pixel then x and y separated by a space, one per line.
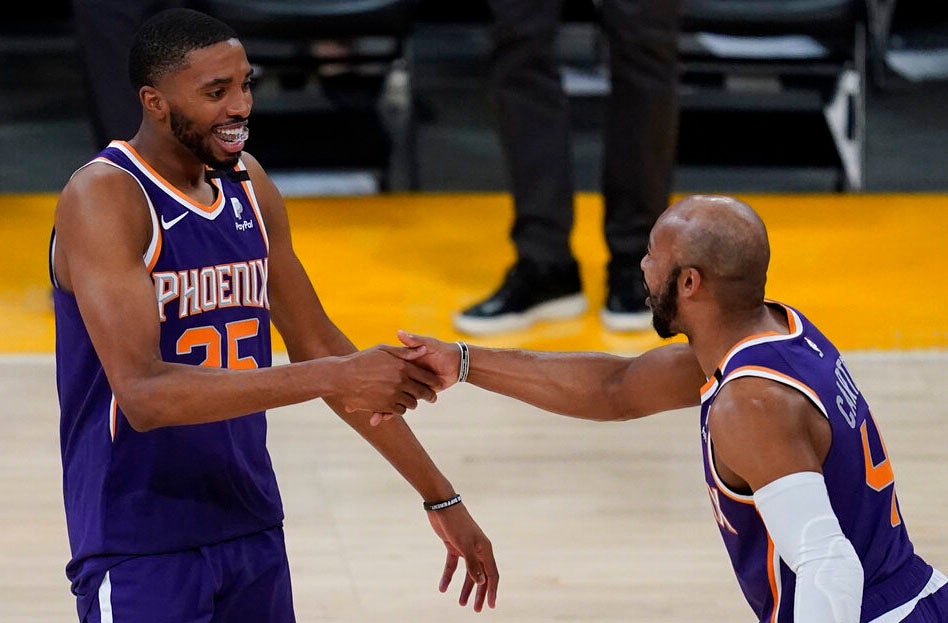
pixel 797 513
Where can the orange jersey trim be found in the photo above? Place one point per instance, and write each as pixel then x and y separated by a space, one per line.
pixel 206 208
pixel 770 373
pixel 766 373
pixel 248 189
pixel 772 561
pixel 793 328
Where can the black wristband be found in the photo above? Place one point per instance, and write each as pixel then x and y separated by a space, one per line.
pixel 438 506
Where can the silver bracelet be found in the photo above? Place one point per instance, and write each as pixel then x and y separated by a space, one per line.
pixel 465 366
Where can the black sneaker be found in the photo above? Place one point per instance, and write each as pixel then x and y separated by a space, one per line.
pixel 625 308
pixel 529 293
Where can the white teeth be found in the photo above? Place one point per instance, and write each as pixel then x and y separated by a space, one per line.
pixel 233 135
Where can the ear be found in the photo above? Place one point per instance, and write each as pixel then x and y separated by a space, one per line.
pixel 153 103
pixel 689 281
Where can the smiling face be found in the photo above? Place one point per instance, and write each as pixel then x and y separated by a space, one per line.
pixel 209 101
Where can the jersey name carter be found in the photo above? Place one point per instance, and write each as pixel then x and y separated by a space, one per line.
pixel 857 471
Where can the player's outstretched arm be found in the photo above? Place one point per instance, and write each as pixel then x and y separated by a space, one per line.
pixel 587 385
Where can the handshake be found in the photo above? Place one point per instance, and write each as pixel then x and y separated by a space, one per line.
pixel 390 380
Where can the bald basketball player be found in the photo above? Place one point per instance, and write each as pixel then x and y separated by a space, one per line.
pixel 800 483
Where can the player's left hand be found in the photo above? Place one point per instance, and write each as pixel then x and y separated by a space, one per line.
pixel 463 538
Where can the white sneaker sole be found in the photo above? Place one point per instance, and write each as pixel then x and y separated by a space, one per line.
pixel 558 309
pixel 622 323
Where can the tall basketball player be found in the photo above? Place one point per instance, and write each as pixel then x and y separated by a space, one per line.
pixel 171 254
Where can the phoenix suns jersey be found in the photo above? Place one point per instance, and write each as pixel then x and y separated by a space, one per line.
pixel 128 493
pixel 857 472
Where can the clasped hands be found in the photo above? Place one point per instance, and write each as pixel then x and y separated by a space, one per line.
pixel 388 380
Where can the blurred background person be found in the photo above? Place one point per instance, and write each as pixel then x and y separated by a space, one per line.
pixel 104 32
pixel 639 138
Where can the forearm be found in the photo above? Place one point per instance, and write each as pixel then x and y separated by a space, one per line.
pixel 592 386
pixel 394 440
pixel 169 394
pixel 576 384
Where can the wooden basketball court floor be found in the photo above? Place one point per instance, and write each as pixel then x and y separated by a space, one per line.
pixel 589 522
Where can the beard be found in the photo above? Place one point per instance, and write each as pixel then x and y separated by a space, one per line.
pixel 664 305
pixel 197 143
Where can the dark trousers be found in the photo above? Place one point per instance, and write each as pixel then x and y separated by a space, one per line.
pixel 640 130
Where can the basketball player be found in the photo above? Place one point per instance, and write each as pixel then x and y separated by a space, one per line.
pixel 799 479
pixel 170 256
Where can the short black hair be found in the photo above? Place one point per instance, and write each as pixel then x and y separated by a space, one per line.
pixel 164 40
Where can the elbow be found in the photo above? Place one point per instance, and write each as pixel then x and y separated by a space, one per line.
pixel 618 406
pixel 140 417
pixel 150 395
pixel 141 423
pixel 617 399
pixel 609 411
pixel 142 411
pixel 624 415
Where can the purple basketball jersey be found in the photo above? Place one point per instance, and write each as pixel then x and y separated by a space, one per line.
pixel 857 472
pixel 129 493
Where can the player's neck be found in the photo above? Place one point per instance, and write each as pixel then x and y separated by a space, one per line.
pixel 722 332
pixel 171 161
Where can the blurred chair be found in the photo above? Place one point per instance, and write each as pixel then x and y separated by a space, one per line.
pixel 334 83
pixel 760 55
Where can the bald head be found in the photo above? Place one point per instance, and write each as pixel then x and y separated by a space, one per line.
pixel 726 240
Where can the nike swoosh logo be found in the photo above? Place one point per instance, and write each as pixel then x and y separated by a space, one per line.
pixel 169 224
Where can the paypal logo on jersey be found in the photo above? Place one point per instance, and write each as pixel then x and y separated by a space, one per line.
pixel 240 223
